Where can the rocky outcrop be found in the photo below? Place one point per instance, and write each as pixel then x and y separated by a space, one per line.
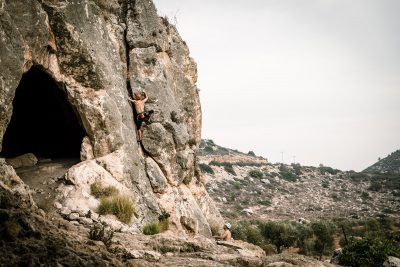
pixel 98 53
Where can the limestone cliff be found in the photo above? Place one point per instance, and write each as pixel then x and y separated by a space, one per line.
pixel 93 55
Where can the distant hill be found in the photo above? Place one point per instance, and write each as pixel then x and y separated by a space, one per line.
pixel 219 153
pixel 390 164
pixel 246 186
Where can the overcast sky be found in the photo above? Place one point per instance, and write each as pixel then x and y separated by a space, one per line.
pixel 314 79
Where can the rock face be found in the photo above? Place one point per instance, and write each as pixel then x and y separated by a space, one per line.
pixel 98 53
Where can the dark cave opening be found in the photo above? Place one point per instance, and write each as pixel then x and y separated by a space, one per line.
pixel 43 122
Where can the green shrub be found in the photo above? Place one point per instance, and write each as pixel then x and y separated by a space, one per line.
pixel 151 228
pixel 324 169
pixel 357 177
pixel 281 234
pixel 120 206
pixel 97 190
pixel 325 184
pixel 323 233
pixel 269 249
pixel 248 163
pixel 255 173
pixel 297 168
pixel 229 169
pixel 208 149
pixel 265 202
pixel 375 186
pixel 251 153
pixel 205 168
pixel 304 232
pixel 287 174
pixel 369 252
pixel 237 185
pixel 365 195
pixel 251 232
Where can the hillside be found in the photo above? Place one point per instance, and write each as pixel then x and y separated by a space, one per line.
pixel 389 164
pixel 245 186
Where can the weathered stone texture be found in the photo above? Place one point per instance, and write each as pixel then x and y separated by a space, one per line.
pixel 100 52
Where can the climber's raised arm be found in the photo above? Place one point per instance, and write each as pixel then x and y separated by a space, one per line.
pixel 145 97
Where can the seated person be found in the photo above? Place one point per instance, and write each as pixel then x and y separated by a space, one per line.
pixel 226 235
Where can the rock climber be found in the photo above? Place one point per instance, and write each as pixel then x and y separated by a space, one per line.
pixel 226 235
pixel 141 115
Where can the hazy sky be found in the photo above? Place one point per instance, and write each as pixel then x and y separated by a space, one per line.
pixel 314 79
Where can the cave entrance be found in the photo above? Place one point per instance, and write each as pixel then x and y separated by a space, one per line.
pixel 43 122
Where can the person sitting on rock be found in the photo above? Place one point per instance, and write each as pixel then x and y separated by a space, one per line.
pixel 141 115
pixel 226 235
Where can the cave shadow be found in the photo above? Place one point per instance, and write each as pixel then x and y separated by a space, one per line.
pixel 43 122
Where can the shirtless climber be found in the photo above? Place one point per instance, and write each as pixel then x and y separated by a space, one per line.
pixel 141 115
pixel 226 236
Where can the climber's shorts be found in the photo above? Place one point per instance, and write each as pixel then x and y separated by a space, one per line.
pixel 143 117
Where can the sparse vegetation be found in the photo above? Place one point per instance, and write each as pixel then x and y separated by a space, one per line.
pixel 369 252
pixel 120 206
pixel 205 168
pixel 163 221
pixel 237 185
pixel 357 177
pixel 100 191
pixel 99 232
pixel 151 228
pixel 325 169
pixel 229 169
pixel 227 166
pixel 255 173
pixel 287 174
pixel 375 186
pixel 365 195
pixel 297 168
pixel 317 238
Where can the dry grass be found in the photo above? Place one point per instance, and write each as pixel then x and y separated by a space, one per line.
pixel 151 228
pixel 99 191
pixel 120 206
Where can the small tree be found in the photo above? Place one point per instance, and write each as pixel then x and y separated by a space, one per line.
pixel 304 232
pixel 369 252
pixel 323 232
pixel 281 234
pixel 255 173
pixel 251 153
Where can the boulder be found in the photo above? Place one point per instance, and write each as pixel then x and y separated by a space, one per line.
pixel 25 160
pixel 392 262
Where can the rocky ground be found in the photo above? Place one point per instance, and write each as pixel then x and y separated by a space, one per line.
pixel 35 230
pixel 31 237
pixel 262 190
